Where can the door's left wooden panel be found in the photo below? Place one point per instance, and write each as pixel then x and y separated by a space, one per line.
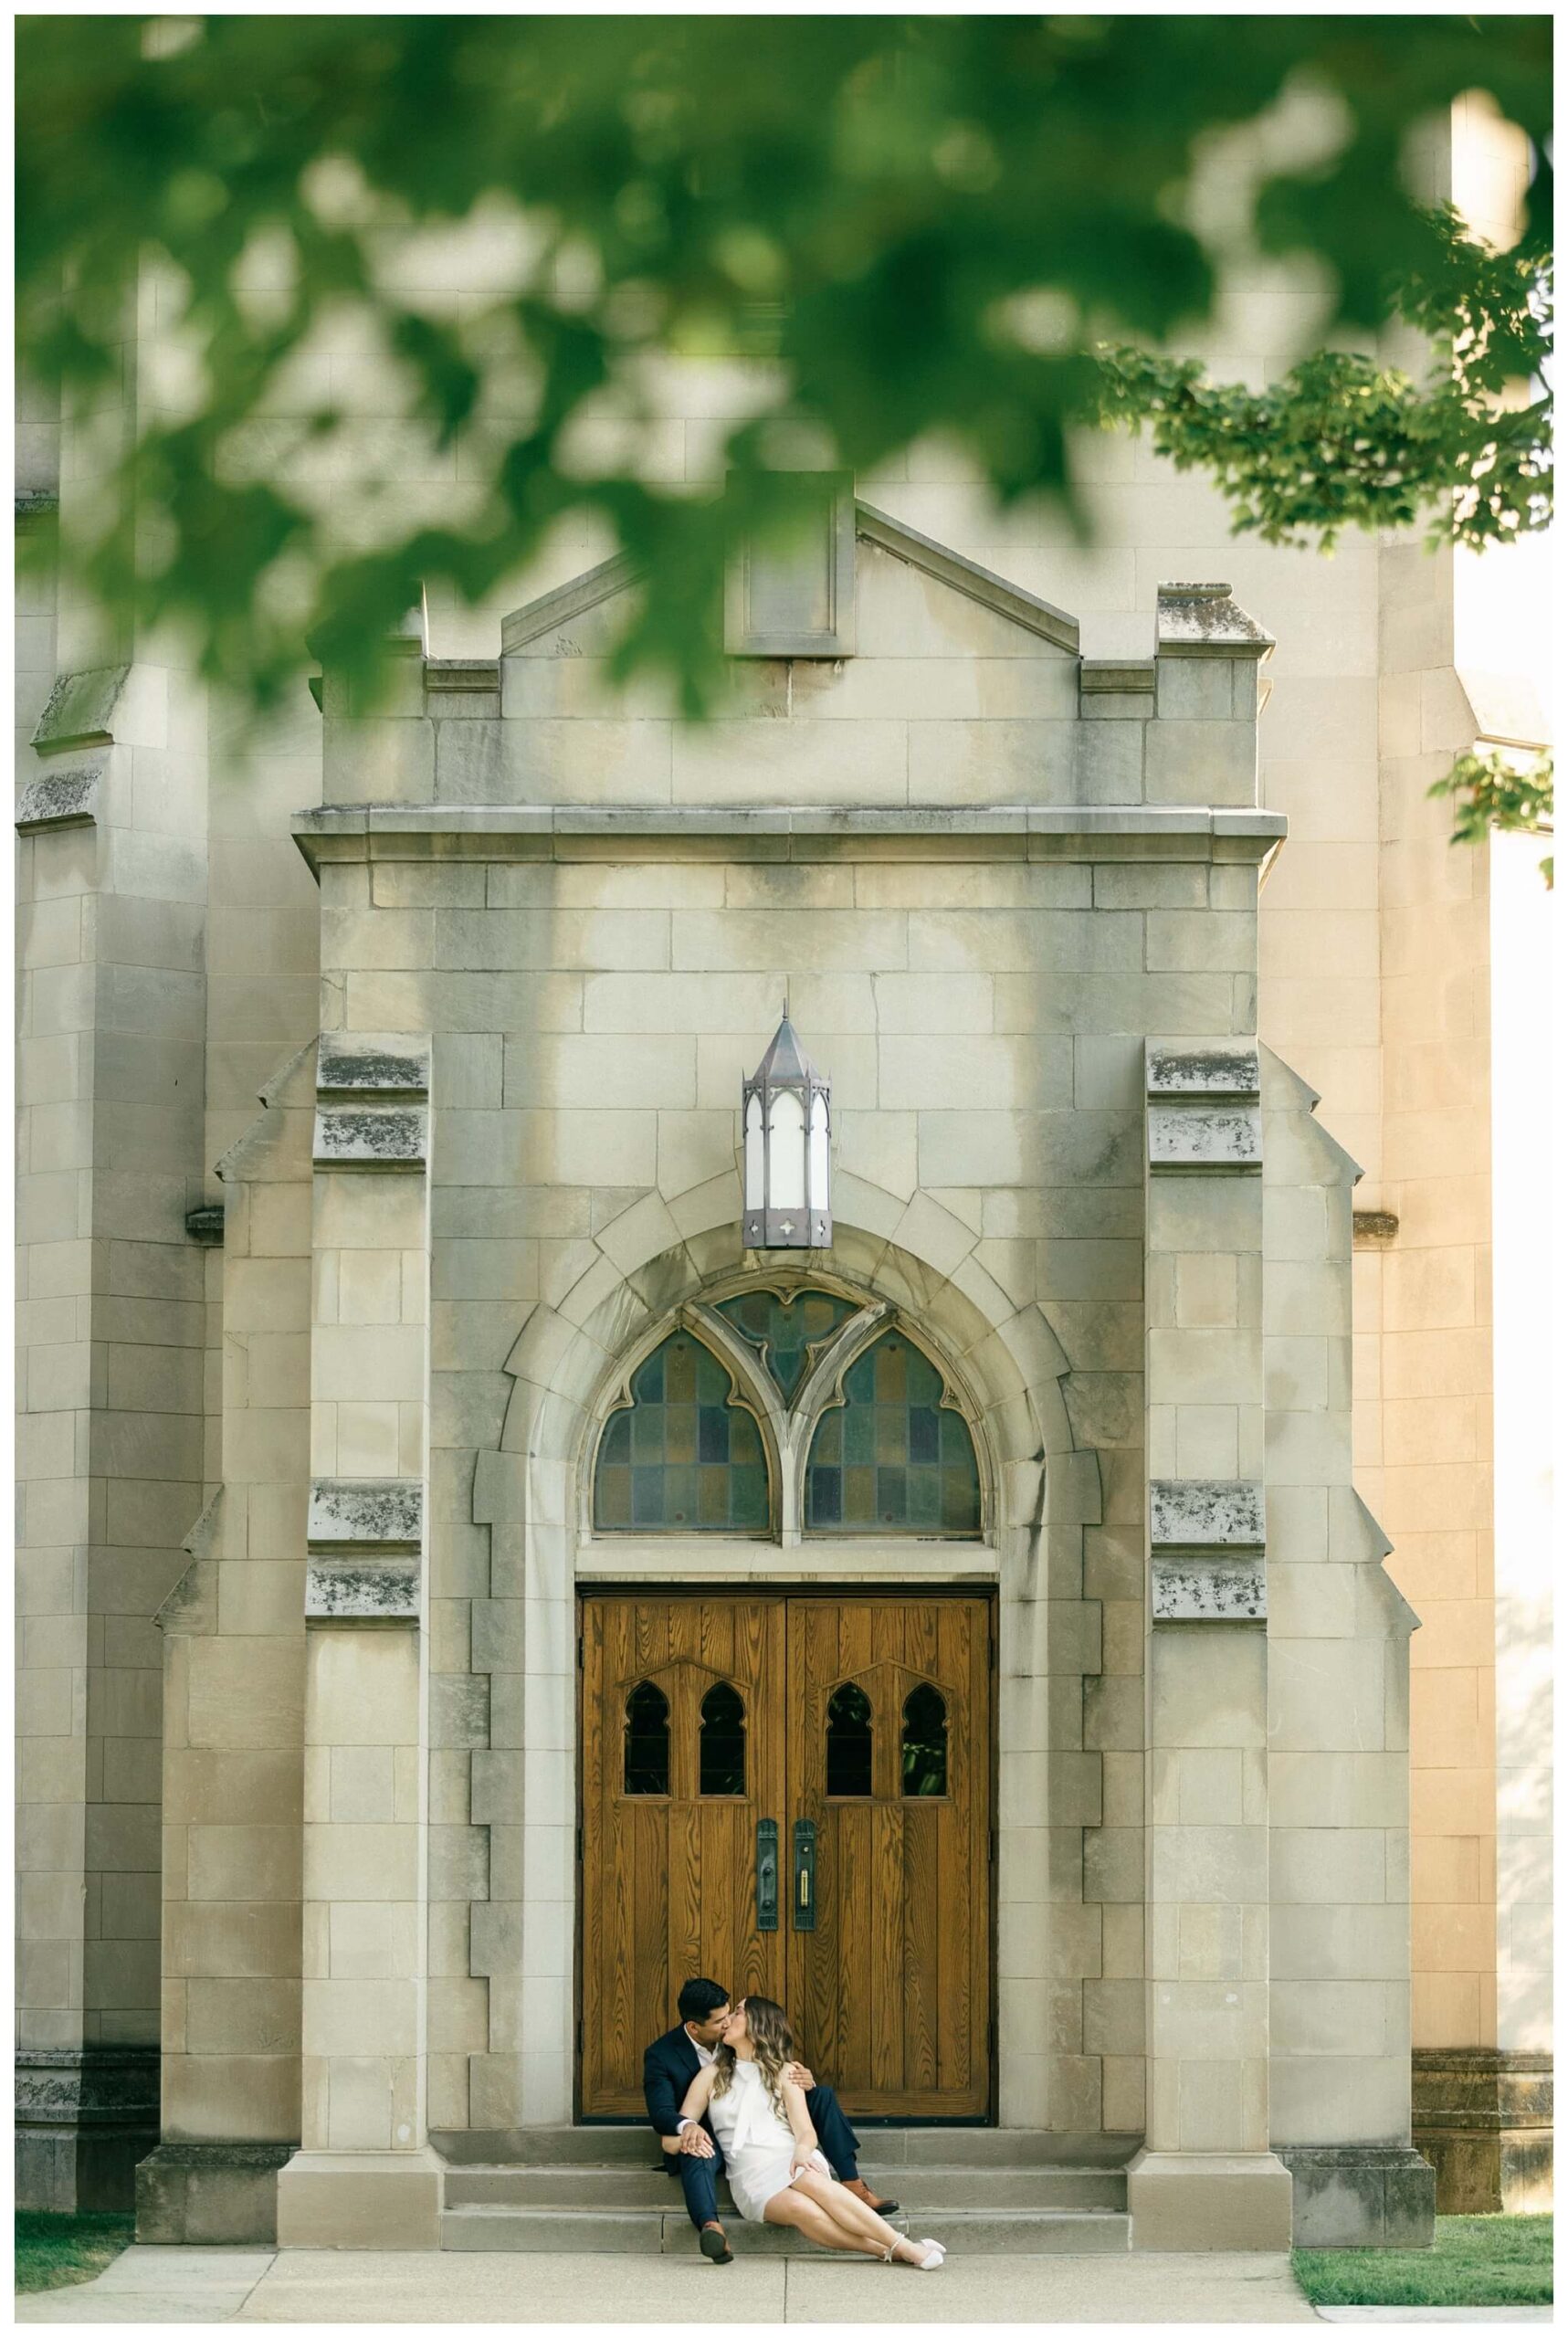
pixel 668 1870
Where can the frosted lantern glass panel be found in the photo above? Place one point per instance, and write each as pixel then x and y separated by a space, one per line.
pixel 786 1154
pixel 819 1152
pixel 755 1197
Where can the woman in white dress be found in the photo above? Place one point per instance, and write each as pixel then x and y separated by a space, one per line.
pixel 777 2176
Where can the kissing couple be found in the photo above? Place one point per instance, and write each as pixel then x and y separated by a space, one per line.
pixel 727 2096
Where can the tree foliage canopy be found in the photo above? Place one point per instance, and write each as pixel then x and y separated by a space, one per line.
pixel 926 224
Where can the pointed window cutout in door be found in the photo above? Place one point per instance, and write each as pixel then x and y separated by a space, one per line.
pixel 646 1763
pixel 721 1743
pixel 924 1764
pixel 849 1740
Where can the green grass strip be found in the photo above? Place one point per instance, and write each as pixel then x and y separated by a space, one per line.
pixel 1477 2261
pixel 52 2251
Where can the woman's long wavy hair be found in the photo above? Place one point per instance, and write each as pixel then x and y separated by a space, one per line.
pixel 774 2042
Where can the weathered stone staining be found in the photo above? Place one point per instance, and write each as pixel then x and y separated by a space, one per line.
pixel 1209 1591
pixel 366 1513
pixel 1207 621
pixel 63 799
pixel 1218 1069
pixel 81 707
pixel 1195 1514
pixel 372 1063
pixel 1202 1110
pixel 368 1136
pixel 362 1591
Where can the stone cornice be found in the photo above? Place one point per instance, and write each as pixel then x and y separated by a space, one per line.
pixel 786 832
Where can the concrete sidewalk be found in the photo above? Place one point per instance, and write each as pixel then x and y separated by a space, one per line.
pixel 208 2285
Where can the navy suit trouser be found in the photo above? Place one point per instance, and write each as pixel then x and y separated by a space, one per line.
pixel 835 2138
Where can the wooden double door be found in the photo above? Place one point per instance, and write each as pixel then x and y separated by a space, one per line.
pixel 792 1795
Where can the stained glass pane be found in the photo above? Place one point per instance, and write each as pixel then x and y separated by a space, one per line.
pixel 925 1740
pixel 849 1740
pixel 682 1458
pixel 893 1458
pixel 721 1743
pixel 784 1328
pixel 646 1765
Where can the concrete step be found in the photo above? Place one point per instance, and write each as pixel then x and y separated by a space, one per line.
pixel 884 2148
pixel 918 2189
pixel 649 2232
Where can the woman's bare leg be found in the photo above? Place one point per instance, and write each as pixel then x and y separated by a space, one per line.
pixel 808 2217
pixel 854 2217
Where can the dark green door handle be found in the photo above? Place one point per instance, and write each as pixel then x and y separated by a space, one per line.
pixel 804 1875
pixel 767 1875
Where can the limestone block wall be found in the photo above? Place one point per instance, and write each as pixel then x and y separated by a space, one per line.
pixel 1339 1702
pixel 234 1720
pixel 363 2073
pixel 111 1389
pixel 1428 1300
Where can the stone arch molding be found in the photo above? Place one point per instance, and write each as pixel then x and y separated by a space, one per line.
pixel 787 1427
pixel 662 1263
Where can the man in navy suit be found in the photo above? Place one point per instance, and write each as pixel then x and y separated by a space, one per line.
pixel 690 2147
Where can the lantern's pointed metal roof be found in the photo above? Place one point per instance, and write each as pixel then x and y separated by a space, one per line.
pixel 785 1058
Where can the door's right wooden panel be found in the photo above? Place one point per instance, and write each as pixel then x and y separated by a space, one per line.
pixel 890 1757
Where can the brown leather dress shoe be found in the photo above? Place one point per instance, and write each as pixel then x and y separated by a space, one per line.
pixel 863 2191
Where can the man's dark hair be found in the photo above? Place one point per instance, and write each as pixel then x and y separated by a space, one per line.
pixel 699 2000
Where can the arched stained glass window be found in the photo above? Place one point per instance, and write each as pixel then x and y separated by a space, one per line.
pixel 721 1743
pixel 893 1458
pixel 784 1327
pixel 646 1763
pixel 849 1740
pixel 681 1457
pixel 924 1764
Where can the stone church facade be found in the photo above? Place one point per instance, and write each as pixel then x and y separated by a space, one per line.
pixel 452 1542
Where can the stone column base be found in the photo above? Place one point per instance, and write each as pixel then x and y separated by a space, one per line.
pixel 1208 2200
pixel 210 2195
pixel 1482 2116
pixel 360 2200
pixel 85 2115
pixel 1359 2196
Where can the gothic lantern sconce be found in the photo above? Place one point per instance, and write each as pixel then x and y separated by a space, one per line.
pixel 784 1118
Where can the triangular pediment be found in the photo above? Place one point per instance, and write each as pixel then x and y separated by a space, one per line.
pixel 577 618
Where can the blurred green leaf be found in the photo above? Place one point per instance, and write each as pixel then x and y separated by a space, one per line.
pixel 1496 791
pixel 873 204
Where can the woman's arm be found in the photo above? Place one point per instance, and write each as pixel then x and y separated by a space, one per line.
pixel 695 2101
pixel 800 2124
